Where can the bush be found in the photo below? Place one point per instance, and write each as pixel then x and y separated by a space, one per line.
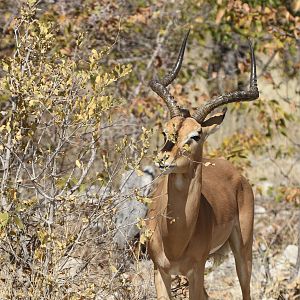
pixel 59 164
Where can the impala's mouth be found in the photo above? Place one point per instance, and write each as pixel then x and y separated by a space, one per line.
pixel 166 169
pixel 164 166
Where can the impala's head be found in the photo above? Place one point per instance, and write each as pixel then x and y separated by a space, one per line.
pixel 183 142
pixel 184 133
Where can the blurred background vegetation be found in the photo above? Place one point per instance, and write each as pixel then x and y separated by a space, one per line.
pixel 77 115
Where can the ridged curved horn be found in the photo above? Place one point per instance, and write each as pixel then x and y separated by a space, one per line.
pixel 236 96
pixel 160 86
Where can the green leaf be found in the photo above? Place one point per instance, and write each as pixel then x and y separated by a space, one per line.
pixel 4 217
pixel 32 2
pixel 18 222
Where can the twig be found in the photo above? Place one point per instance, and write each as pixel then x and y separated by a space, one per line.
pixel 36 185
pixel 285 174
pixel 289 221
pixel 86 170
pixel 160 40
pixel 10 19
pixel 265 67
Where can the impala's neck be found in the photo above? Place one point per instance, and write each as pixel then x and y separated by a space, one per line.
pixel 184 193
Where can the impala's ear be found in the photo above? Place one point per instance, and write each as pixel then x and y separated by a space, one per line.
pixel 211 124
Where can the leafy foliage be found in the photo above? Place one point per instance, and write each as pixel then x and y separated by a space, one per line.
pixel 55 110
pixel 75 112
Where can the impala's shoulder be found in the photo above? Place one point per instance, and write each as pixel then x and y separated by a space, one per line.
pixel 221 167
pixel 218 162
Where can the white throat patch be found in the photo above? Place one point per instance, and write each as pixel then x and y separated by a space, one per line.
pixel 179 182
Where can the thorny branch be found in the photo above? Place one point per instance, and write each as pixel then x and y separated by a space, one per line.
pixel 160 39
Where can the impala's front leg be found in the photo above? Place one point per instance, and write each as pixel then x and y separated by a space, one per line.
pixel 162 284
pixel 196 283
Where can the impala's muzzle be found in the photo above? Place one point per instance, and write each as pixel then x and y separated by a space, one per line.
pixel 166 169
pixel 164 160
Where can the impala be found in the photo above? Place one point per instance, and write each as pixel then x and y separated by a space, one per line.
pixel 200 206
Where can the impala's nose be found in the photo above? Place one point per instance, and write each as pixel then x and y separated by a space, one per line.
pixel 163 163
pixel 162 159
pixel 160 164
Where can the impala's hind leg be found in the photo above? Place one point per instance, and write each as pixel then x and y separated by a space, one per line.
pixel 241 238
pixel 243 261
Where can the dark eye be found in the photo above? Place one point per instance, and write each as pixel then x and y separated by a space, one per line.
pixel 165 136
pixel 196 138
pixel 168 146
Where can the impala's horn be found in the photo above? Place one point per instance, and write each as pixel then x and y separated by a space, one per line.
pixel 236 96
pixel 160 86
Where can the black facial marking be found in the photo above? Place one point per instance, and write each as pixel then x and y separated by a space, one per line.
pixel 168 146
pixel 168 143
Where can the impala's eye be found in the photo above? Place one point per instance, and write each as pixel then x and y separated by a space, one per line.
pixel 195 138
pixel 168 146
